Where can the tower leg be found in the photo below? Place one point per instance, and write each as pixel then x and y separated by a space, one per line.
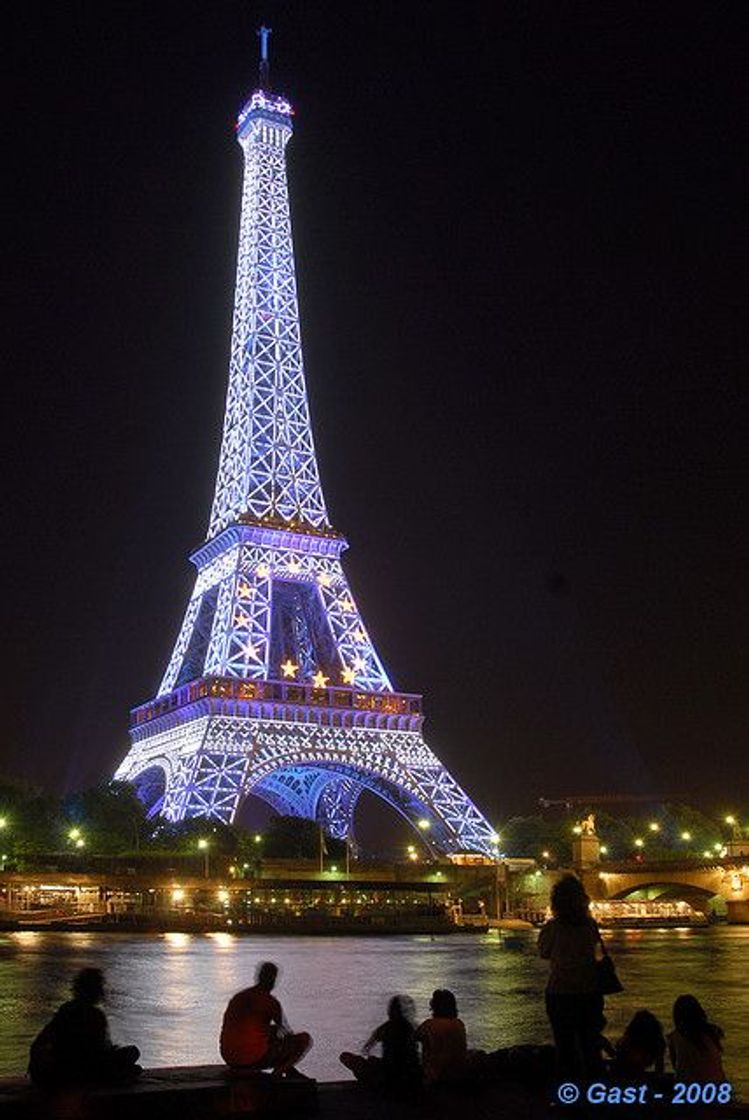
pixel 335 808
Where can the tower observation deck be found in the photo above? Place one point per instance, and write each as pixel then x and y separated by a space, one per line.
pixel 274 687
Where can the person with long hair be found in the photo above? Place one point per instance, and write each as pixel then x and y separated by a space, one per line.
pixel 443 1041
pixel 574 1004
pixel 641 1049
pixel 695 1046
pixel 398 1067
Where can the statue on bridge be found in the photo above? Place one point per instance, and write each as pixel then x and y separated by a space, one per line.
pixel 588 825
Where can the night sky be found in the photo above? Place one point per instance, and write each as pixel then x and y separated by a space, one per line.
pixel 522 261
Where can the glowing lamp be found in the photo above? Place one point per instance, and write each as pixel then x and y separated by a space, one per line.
pixel 639 842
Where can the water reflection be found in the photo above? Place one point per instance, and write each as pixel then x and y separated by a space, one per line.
pixel 168 992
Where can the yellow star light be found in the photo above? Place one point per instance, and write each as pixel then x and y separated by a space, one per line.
pixel 250 650
pixel 323 579
pixel 263 571
pixel 346 604
pixel 320 680
pixel 289 669
pixel 241 620
pixel 294 565
pixel 348 676
pixel 359 635
pixel 359 664
pixel 245 591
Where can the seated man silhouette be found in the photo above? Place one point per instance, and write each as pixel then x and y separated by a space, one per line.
pixel 254 1033
pixel 74 1048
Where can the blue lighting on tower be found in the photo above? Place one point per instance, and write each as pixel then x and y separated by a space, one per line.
pixel 274 686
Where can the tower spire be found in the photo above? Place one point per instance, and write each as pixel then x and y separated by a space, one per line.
pixel 264 67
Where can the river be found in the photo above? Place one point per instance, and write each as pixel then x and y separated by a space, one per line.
pixel 167 992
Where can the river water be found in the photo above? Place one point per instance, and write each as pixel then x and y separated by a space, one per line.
pixel 168 991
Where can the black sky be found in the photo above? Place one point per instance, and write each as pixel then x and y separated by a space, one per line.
pixel 521 248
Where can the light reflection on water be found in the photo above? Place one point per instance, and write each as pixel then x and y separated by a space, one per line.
pixel 168 992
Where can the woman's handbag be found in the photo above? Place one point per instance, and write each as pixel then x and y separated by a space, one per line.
pixel 608 982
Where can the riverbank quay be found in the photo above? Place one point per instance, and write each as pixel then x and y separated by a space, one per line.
pixel 205 1092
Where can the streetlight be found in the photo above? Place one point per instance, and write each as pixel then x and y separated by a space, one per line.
pixel 686 835
pixel 424 824
pixel 603 850
pixel 639 842
pixel 3 822
pixel 734 826
pixel 204 846
pixel 74 834
pixel 258 838
pixel 654 826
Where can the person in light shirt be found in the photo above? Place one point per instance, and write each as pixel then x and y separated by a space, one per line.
pixel 443 1040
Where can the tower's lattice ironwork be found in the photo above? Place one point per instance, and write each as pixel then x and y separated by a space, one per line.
pixel 274 686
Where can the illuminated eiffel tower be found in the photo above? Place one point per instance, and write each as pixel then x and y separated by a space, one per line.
pixel 274 687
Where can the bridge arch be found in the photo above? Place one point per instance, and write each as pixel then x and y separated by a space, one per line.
pixel 697 896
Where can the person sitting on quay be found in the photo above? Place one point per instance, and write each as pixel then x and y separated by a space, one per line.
pixel 695 1046
pixel 443 1041
pixel 398 1068
pixel 641 1049
pixel 74 1048
pixel 255 1034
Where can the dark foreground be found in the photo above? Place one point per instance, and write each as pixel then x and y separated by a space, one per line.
pixel 201 1092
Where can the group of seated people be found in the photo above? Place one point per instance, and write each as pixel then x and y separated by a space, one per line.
pixel 75 1047
pixel 694 1048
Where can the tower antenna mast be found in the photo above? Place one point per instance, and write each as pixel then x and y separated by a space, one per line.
pixel 264 35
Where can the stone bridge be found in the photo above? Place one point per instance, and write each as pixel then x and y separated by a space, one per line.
pixel 694 881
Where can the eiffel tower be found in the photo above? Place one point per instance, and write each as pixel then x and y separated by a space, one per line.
pixel 274 687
